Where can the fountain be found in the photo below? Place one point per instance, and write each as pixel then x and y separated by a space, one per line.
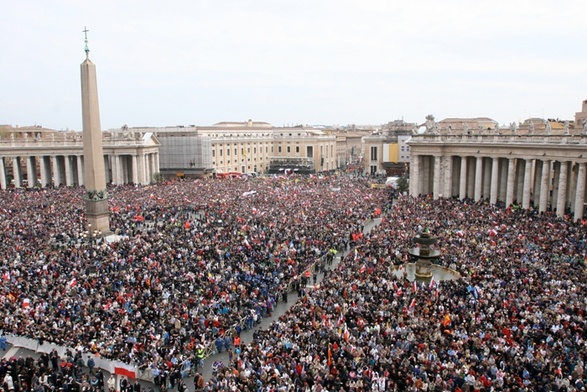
pixel 424 255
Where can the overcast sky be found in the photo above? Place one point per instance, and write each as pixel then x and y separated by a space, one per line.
pixel 293 62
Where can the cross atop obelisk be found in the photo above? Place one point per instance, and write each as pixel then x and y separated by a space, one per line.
pixel 87 49
pixel 97 212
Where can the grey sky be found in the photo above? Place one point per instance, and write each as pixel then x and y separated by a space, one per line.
pixel 292 62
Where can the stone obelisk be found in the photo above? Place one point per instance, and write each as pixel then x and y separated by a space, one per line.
pixel 97 212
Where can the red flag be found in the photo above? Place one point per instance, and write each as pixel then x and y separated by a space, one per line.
pixel 413 304
pixel 125 371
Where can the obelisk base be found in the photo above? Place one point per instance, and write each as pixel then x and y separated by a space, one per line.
pixel 98 215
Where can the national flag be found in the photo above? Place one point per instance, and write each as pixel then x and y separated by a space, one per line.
pixel 72 283
pixel 363 269
pixel 414 286
pixel 345 334
pixel 412 304
pixel 356 254
pixel 6 275
pixel 432 283
pixel 26 303
pixel 127 371
pixel 446 320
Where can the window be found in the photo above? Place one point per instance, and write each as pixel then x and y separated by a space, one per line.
pixel 220 152
pixel 228 152
pixel 374 153
pixel 310 151
pixel 235 151
pixel 297 149
pixel 279 149
pixel 288 149
pixel 213 153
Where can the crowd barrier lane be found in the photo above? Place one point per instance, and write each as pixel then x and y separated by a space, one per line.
pixel 101 363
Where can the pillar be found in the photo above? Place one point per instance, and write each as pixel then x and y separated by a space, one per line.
pixel 447 192
pixel 527 184
pixel 2 174
pixel 16 172
pixel 544 186
pixel 556 170
pixel 31 172
pixel 574 171
pixel 44 171
pixel 436 185
pixel 511 181
pixel 55 169
pixel 478 177
pixel 463 183
pixel 414 175
pixel 580 193
pixel 519 186
pixel 80 170
pixel 68 171
pixel 141 169
pixel 562 189
pixel 135 171
pixel 156 157
pixel 537 182
pixel 486 191
pixel 503 179
pixel 494 180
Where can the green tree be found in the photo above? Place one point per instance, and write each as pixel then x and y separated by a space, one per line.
pixel 403 184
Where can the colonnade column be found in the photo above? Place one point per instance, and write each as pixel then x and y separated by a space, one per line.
pixel 436 183
pixel 562 190
pixel 556 169
pixel 463 182
pixel 537 182
pixel 43 167
pixel 16 172
pixel 414 175
pixel 494 180
pixel 580 193
pixel 544 186
pixel 68 171
pixel 141 169
pixel 448 176
pixel 478 177
pixel 148 172
pixel 135 170
pixel 2 174
pixel 509 198
pixel 55 171
pixel 80 170
pixel 527 184
pixel 31 172
pixel 156 162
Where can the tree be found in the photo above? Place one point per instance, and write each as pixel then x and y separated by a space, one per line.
pixel 403 184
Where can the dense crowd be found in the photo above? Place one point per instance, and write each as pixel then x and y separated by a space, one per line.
pixel 514 320
pixel 194 260
pixel 197 258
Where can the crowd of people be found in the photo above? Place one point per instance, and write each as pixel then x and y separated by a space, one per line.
pixel 197 258
pixel 513 321
pixel 193 260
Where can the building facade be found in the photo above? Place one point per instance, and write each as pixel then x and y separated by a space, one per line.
pixel 35 156
pixel 245 147
pixel 387 152
pixel 540 163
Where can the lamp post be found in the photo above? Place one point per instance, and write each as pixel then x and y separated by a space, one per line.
pixel 91 235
